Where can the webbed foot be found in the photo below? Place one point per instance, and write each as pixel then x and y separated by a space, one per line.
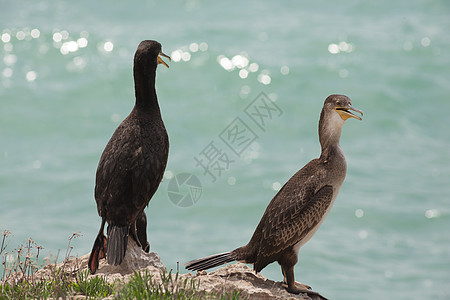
pixel 298 288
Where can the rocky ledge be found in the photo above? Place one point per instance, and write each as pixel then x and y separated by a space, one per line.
pixel 235 277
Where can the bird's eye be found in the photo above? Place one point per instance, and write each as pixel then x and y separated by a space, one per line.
pixel 338 103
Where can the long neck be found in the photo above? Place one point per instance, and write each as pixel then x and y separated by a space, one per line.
pixel 330 128
pixel 144 85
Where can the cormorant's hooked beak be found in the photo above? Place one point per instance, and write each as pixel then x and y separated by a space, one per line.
pixel 160 61
pixel 345 113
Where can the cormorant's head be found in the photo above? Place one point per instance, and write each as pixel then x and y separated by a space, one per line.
pixel 335 111
pixel 341 105
pixel 148 55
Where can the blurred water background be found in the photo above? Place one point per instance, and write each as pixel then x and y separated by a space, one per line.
pixel 66 84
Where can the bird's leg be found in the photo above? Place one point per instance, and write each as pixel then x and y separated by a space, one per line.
pixel 146 248
pixel 98 250
pixel 284 276
pixel 295 287
pixel 288 272
pixel 297 283
pixel 287 263
pixel 141 231
pixel 134 234
pixel 104 242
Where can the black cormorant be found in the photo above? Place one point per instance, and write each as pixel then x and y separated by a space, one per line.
pixel 132 165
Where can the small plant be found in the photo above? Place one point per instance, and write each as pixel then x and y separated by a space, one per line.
pixel 96 287
pixel 146 286
pixel 168 286
pixel 21 279
pixel 234 296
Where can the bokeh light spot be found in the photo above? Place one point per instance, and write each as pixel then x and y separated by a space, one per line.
pixel 57 37
pixel 73 46
pixel 31 76
pixel 432 213
pixel 64 34
pixel 276 186
pixel 425 41
pixel 193 47
pixel 253 67
pixel 333 48
pixel 176 55
pixel 225 62
pixel 6 37
pixel 203 46
pixel 84 34
pixel 239 61
pixel 82 42
pixel 20 35
pixel 115 118
pixel 8 47
pixel 168 174
pixel 243 73
pixel 284 70
pixel 7 72
pixel 264 78
pixel 79 62
pixel 108 46
pixel 245 90
pixel 359 213
pixel 345 47
pixel 35 33
pixel 273 97
pixel 407 46
pixel 10 59
pixel 186 56
pixel 43 48
pixel 363 234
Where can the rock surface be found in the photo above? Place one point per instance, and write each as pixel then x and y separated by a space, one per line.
pixel 251 285
pixel 234 277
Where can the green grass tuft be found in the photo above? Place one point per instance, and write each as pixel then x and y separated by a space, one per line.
pixel 96 287
pixel 145 286
pixel 19 280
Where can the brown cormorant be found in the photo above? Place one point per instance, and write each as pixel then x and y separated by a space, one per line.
pixel 132 165
pixel 300 207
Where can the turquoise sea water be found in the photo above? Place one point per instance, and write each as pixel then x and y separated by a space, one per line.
pixel 66 83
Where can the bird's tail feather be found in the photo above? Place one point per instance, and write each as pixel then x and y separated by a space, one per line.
pixel 117 244
pixel 209 261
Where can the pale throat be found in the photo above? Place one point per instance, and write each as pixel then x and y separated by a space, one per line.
pixel 330 131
